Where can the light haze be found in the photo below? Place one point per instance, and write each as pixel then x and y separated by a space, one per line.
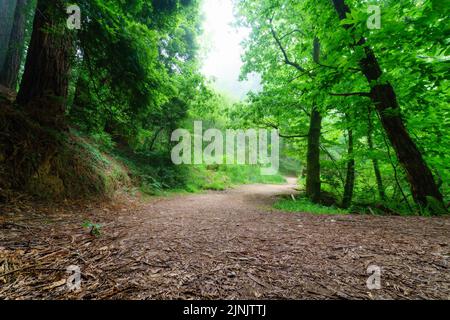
pixel 222 49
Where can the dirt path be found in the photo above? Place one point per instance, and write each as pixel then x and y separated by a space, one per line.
pixel 222 245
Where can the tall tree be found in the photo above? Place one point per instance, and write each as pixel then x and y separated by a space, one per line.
pixel 45 81
pixel 11 66
pixel 313 183
pixel 384 98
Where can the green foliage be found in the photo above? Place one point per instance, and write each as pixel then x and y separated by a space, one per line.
pixel 137 68
pixel 135 78
pixel 221 177
pixel 304 205
pixel 412 48
pixel 152 172
pixel 155 174
pixel 94 228
pixel 435 207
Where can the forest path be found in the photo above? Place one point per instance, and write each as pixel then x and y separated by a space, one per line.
pixel 228 244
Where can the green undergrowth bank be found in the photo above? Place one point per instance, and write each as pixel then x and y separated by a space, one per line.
pixel 154 174
pixel 48 164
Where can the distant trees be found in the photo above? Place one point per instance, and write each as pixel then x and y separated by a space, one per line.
pixel 7 10
pixel 9 70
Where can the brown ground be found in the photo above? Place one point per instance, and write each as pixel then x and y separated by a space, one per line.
pixel 228 245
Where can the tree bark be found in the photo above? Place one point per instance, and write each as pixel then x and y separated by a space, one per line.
pixel 376 167
pixel 44 86
pixel 383 96
pixel 11 66
pixel 313 182
pixel 350 177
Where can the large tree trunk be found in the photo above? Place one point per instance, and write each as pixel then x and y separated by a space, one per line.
pixel 376 167
pixel 383 96
pixel 313 157
pixel 44 86
pixel 350 177
pixel 7 8
pixel 11 66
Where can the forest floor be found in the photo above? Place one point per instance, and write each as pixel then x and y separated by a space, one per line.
pixel 229 245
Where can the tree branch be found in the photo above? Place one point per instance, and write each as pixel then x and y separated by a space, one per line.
pixel 286 58
pixel 293 31
pixel 292 136
pixel 274 126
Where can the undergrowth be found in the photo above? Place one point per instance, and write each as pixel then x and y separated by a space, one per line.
pixel 50 164
pixel 154 174
pixel 304 205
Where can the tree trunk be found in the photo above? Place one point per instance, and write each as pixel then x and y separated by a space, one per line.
pixel 313 183
pixel 44 86
pixel 313 157
pixel 7 8
pixel 376 167
pixel 350 177
pixel 383 96
pixel 11 65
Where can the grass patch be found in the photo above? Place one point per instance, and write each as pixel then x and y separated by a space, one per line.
pixel 304 205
